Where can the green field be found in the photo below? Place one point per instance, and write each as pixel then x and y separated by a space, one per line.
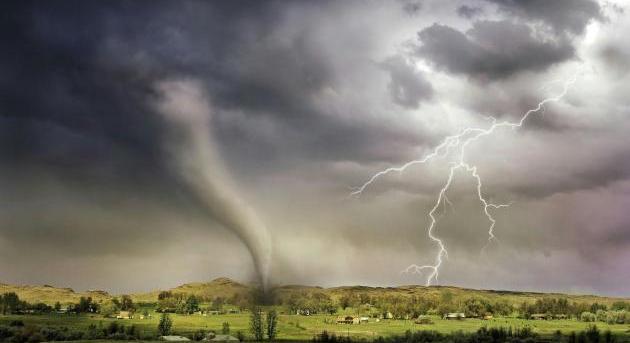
pixel 294 327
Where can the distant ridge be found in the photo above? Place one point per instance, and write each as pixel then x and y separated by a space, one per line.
pixel 227 288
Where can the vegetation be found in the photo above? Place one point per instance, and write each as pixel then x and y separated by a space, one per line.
pixel 165 325
pixel 302 313
pixel 491 335
pixel 272 325
pixel 256 324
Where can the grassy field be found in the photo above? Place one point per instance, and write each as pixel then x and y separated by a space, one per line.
pixel 294 327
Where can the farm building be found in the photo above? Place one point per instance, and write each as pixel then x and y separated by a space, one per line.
pixel 454 315
pixel 488 317
pixel 124 315
pixel 364 319
pixel 348 320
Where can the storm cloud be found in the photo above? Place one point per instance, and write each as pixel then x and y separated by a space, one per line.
pixel 307 101
pixel 491 49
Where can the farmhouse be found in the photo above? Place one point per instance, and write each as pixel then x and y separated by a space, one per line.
pixel 124 315
pixel 454 315
pixel 348 320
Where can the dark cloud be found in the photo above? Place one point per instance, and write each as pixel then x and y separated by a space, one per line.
pixel 469 12
pixel 407 85
pixel 491 49
pixel 412 7
pixel 562 15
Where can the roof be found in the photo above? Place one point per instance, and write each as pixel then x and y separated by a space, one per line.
pixel 224 338
pixel 175 338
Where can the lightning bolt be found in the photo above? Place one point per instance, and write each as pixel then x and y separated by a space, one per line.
pixel 459 142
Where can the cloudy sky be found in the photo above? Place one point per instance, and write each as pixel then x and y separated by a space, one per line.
pixel 144 145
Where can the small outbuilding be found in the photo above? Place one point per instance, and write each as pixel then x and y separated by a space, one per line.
pixel 454 316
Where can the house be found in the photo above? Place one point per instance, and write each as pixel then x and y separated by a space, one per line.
pixel 224 338
pixel 213 312
pixel 561 316
pixel 175 338
pixel 124 315
pixel 233 311
pixel 364 319
pixel 347 320
pixel 488 317
pixel 454 315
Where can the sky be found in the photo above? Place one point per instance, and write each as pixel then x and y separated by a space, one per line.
pixel 148 144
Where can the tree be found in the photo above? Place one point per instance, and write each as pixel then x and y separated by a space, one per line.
pixel 240 336
pixel 109 308
pixel 217 303
pixel 10 303
pixel 588 317
pixel 192 304
pixel 164 295
pixel 86 305
pixel 256 324
pixel 226 328
pixel 272 324
pixel 57 306
pixel 126 304
pixel 165 325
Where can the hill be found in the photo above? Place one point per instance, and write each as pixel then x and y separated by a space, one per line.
pixel 227 288
pixel 50 295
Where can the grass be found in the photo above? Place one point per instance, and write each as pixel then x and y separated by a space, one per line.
pixel 294 327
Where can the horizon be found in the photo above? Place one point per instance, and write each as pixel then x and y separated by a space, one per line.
pixel 273 286
pixel 481 144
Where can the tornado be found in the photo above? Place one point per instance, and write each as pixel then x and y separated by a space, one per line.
pixel 193 154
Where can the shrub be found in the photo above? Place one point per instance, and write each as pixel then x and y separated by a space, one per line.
pixel 587 317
